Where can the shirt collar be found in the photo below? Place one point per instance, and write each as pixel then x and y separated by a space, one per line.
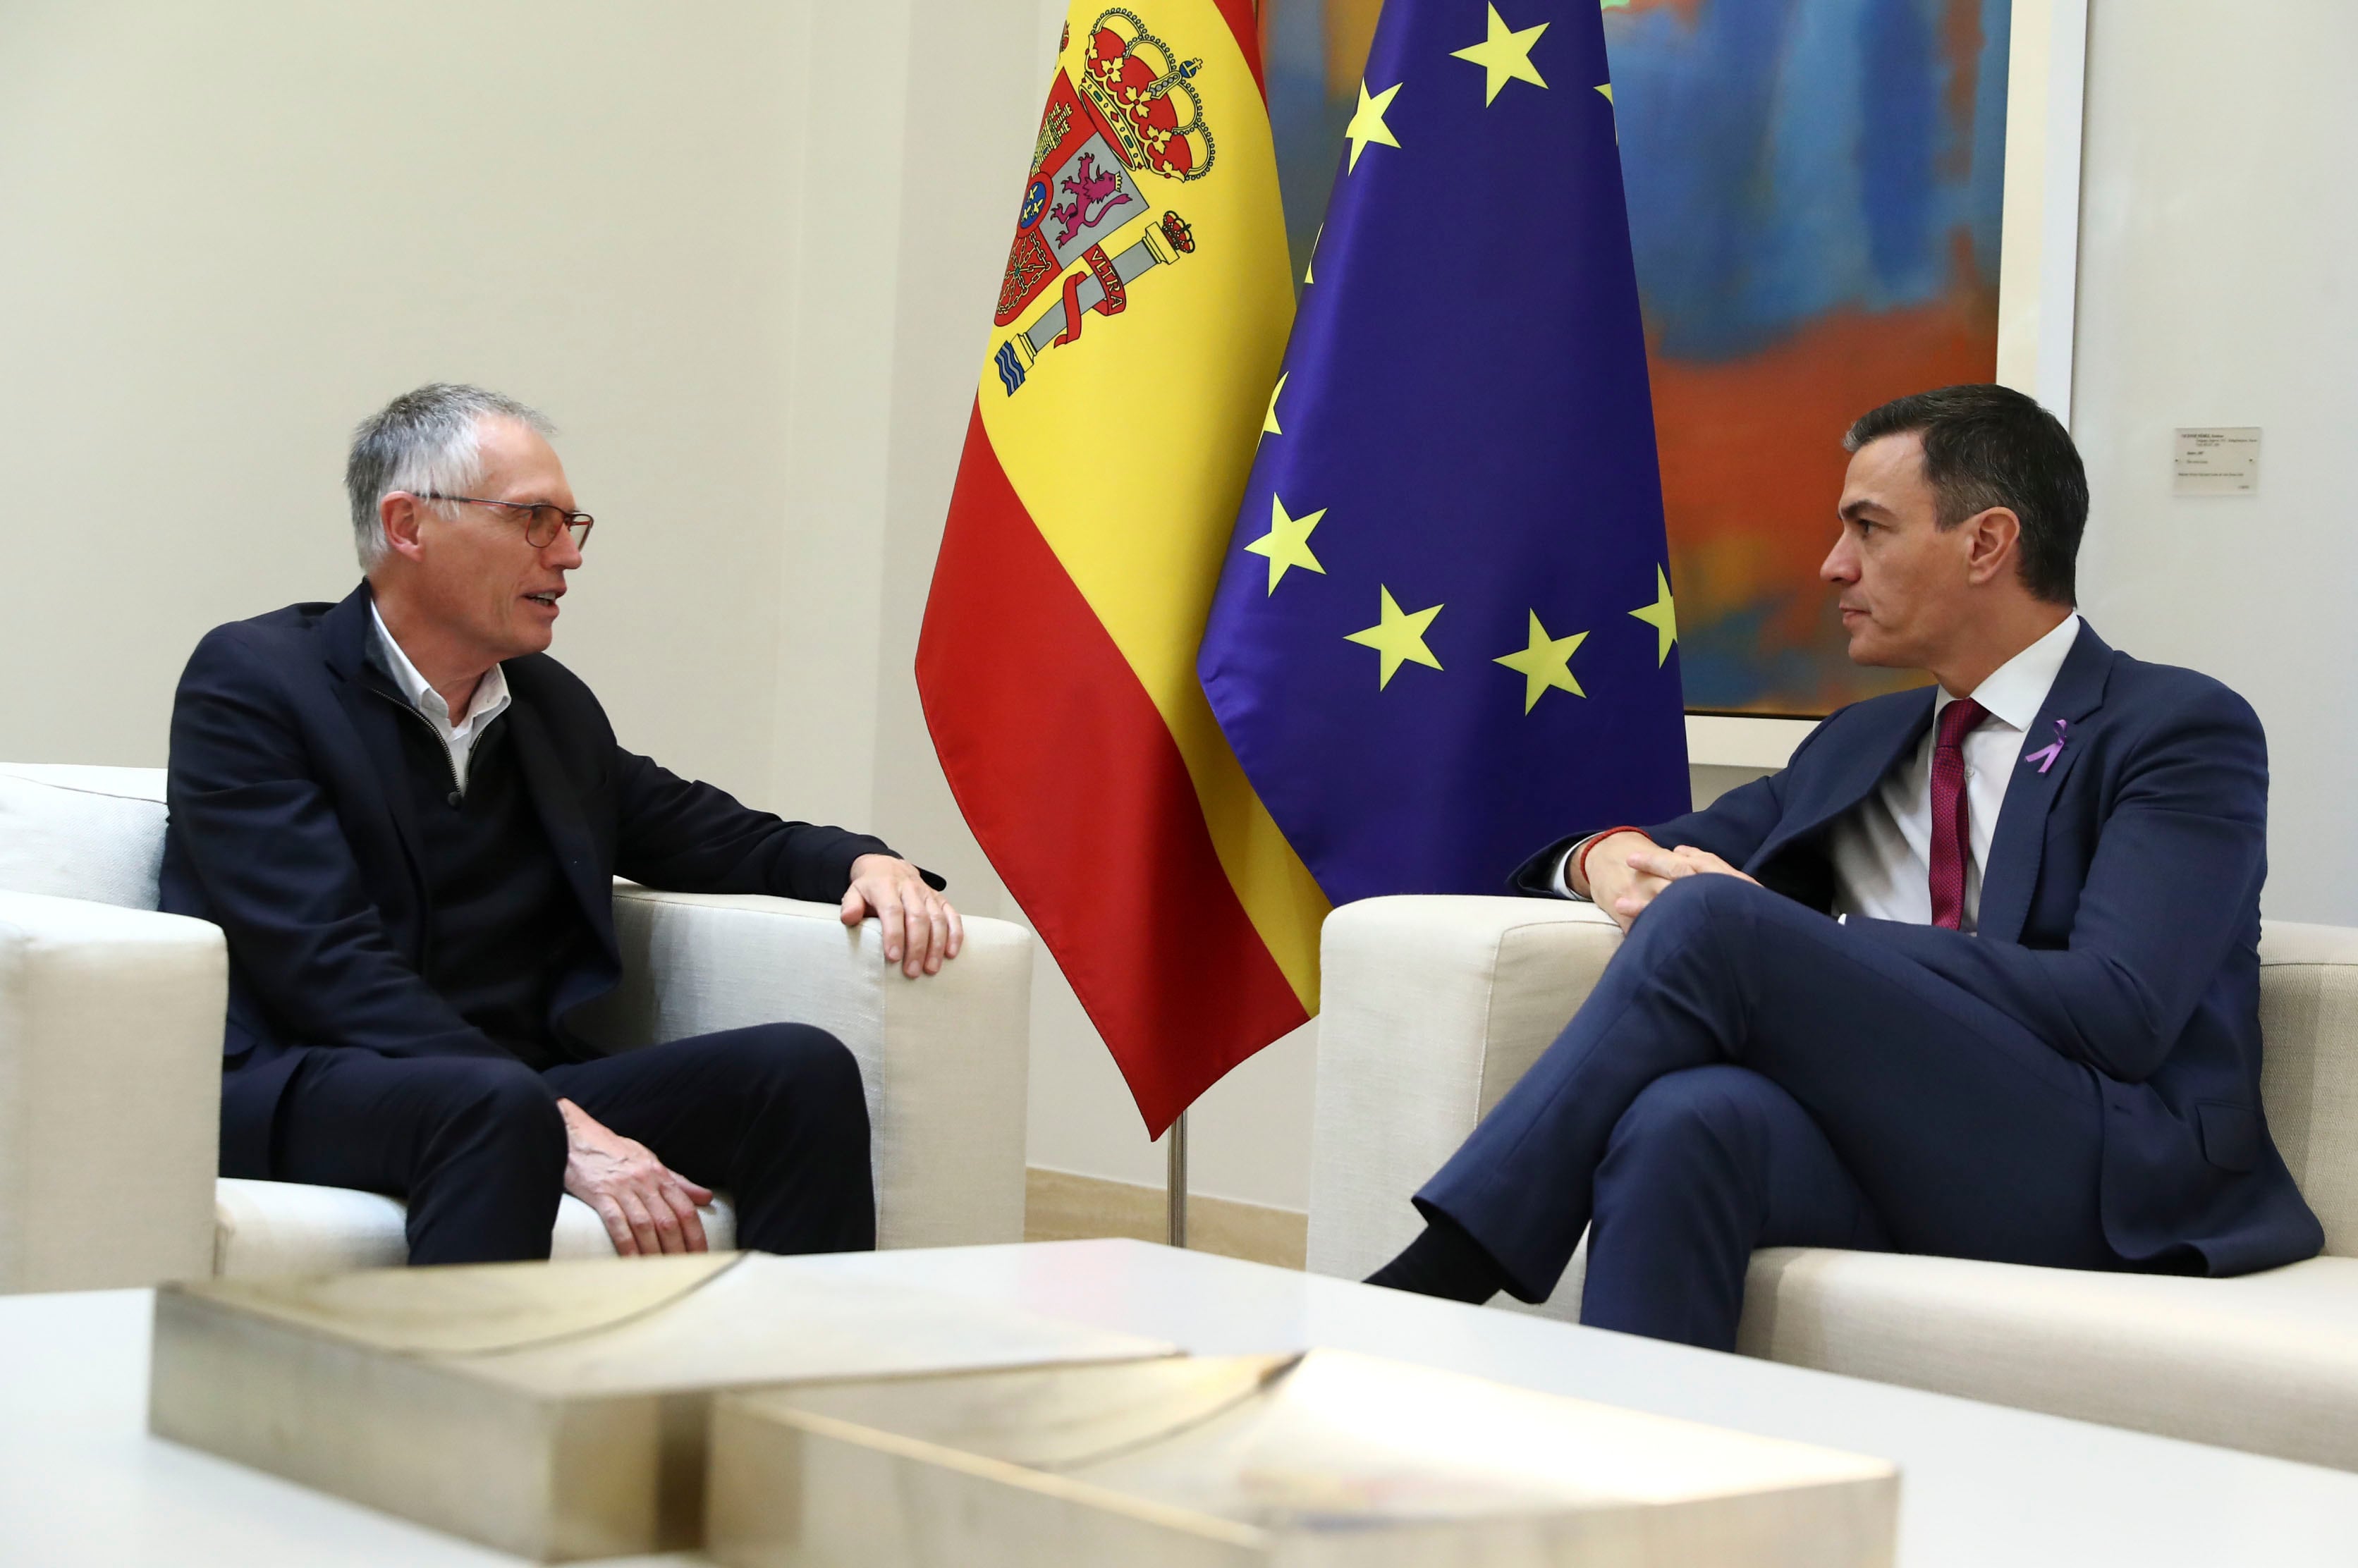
pixel 491 692
pixel 2016 689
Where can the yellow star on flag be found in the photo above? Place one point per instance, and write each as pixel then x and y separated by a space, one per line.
pixel 1269 420
pixel 1546 664
pixel 1662 615
pixel 1367 123
pixel 1287 543
pixel 1505 55
pixel 1399 636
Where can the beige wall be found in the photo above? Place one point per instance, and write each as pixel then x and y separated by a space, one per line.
pixel 753 293
pixel 234 229
pixel 2219 224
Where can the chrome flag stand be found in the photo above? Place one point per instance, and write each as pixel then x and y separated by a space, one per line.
pixel 1175 1183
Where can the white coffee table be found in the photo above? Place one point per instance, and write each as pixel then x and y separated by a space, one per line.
pixel 83 1486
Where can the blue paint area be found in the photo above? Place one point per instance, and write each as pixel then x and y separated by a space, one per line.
pixel 1305 124
pixel 1897 121
pixel 1786 159
pixel 1731 662
pixel 1984 194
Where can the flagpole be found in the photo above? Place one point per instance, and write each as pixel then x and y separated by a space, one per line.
pixel 1176 1183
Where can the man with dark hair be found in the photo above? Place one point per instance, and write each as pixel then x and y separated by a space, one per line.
pixel 406 818
pixel 1989 447
pixel 1976 975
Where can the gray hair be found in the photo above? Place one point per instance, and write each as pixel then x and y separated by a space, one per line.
pixel 423 441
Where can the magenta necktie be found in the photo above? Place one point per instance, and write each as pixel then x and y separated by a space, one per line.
pixel 1951 842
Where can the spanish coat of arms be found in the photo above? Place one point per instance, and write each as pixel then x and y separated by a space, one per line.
pixel 1132 112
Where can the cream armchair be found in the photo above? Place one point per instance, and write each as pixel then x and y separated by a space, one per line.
pixel 1434 1007
pixel 110 1056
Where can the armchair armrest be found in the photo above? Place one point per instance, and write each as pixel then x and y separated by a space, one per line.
pixel 110 1093
pixel 944 1058
pixel 1433 1008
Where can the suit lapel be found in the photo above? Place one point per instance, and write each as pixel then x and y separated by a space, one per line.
pixel 561 818
pixel 1888 731
pixel 2013 869
pixel 363 691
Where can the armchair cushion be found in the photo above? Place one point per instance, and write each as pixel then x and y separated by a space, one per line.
pixel 1434 1007
pixel 2265 1362
pixel 76 832
pixel 110 1085
pixel 283 1228
pixel 2309 1066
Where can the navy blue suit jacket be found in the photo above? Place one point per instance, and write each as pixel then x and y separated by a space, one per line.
pixel 2120 923
pixel 291 828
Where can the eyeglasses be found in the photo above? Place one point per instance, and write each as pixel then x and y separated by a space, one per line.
pixel 542 519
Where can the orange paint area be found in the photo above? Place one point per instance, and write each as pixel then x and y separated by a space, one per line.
pixel 1687 11
pixel 1752 462
pixel 1350 33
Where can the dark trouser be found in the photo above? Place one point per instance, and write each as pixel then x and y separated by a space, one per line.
pixel 771 1114
pixel 1748 1074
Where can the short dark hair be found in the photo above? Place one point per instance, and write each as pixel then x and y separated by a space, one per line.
pixel 1991 446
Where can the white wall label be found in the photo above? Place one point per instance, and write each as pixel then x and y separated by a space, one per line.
pixel 2222 461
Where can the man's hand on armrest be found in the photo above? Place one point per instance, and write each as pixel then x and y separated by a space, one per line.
pixel 920 930
pixel 647 1207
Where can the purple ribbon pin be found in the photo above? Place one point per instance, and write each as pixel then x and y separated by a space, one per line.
pixel 2045 756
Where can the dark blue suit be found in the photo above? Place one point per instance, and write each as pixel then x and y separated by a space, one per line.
pixel 2076 1085
pixel 291 828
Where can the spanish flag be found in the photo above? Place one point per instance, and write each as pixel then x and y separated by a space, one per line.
pixel 1129 376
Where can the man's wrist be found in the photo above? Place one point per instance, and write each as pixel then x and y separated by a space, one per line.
pixel 1578 878
pixel 1560 880
pixel 577 1120
pixel 852 872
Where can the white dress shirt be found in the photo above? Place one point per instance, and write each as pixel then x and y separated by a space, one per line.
pixel 491 700
pixel 1881 848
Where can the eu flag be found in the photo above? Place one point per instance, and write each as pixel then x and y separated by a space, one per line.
pixel 1443 632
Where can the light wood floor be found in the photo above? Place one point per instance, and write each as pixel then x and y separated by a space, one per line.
pixel 1061 1206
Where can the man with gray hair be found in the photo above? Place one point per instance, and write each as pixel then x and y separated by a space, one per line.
pixel 406 817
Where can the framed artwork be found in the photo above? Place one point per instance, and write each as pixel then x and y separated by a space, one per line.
pixel 1831 203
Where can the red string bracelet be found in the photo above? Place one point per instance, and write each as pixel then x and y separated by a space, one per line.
pixel 1597 839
